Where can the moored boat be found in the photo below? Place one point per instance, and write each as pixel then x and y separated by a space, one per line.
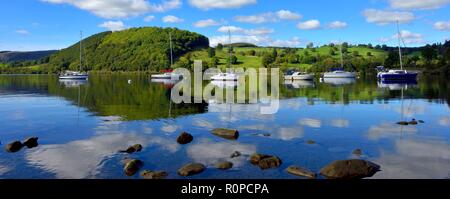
pixel 299 76
pixel 76 75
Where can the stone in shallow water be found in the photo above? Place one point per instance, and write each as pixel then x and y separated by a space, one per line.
pixel 413 122
pixel 265 161
pixel 132 167
pixel 404 123
pixel 31 142
pixel 14 147
pixel 132 149
pixel 350 169
pixel 310 142
pixel 357 152
pixel 421 121
pixel 235 154
pixel 185 138
pixel 230 134
pixel 299 171
pixel 155 175
pixel 191 169
pixel 225 165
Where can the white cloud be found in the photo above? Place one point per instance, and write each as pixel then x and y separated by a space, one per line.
pixel 231 29
pixel 340 123
pixel 257 19
pixel 288 15
pixel 409 37
pixel 418 4
pixel 170 128
pixel 337 25
pixel 444 121
pixel 384 39
pixel 294 42
pixel 259 31
pixel 149 18
pixel 207 23
pixel 119 8
pixel 309 25
pixel 234 29
pixel 389 130
pixel 253 39
pixel 382 17
pixel 442 25
pixel 172 19
pixel 222 4
pixel 22 32
pixel 112 25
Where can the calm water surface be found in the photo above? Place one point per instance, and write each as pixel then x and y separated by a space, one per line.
pixel 82 125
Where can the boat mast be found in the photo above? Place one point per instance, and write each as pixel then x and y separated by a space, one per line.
pixel 171 51
pixel 229 46
pixel 81 44
pixel 399 46
pixel 342 57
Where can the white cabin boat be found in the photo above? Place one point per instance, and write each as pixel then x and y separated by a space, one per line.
pixel 299 76
pixel 171 76
pixel 339 74
pixel 76 75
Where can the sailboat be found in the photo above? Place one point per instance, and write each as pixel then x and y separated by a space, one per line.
pixel 340 73
pixel 227 76
pixel 168 74
pixel 77 75
pixel 398 74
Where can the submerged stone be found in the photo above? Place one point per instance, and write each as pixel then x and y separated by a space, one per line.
pixel 132 167
pixel 404 123
pixel 185 138
pixel 155 175
pixel 31 142
pixel 265 161
pixel 225 165
pixel 310 142
pixel 350 169
pixel 191 169
pixel 14 146
pixel 235 154
pixel 413 122
pixel 132 149
pixel 357 152
pixel 230 134
pixel 421 121
pixel 299 171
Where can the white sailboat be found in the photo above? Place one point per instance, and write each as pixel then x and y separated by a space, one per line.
pixel 398 74
pixel 227 76
pixel 76 75
pixel 299 76
pixel 169 74
pixel 340 73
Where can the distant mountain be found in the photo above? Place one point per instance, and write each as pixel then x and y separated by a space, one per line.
pixel 135 49
pixel 242 45
pixel 12 56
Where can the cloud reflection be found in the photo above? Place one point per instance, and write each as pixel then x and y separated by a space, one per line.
pixel 387 130
pixel 313 123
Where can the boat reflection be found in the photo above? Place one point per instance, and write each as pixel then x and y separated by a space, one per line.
pixel 295 84
pixel 397 84
pixel 72 83
pixel 338 81
pixel 225 84
pixel 166 82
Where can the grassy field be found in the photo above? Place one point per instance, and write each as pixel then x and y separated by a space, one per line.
pixel 246 61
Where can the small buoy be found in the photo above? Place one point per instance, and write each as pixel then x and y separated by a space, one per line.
pixel 129 81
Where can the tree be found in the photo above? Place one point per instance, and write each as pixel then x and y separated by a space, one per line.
pixel 369 54
pixel 429 53
pixel 274 53
pixel 213 62
pixel 267 59
pixel 211 52
pixel 332 53
pixel 355 53
pixel 251 52
pixel 310 45
pixel 370 46
pixel 219 47
pixel 345 45
pixel 392 59
pixel 234 60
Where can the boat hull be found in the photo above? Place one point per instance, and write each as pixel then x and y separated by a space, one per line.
pixel 408 76
pixel 75 77
pixel 169 77
pixel 299 77
pixel 339 75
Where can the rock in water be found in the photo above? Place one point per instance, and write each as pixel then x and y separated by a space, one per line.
pixel 421 121
pixel 155 175
pixel 14 146
pixel 132 149
pixel 310 142
pixel 413 122
pixel 357 152
pixel 265 161
pixel 185 138
pixel 230 134
pixel 235 154
pixel 224 165
pixel 299 171
pixel 350 169
pixel 31 142
pixel 404 123
pixel 191 169
pixel 132 167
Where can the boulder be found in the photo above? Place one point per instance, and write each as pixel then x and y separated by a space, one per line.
pixel 235 154
pixel 413 122
pixel 132 167
pixel 421 121
pixel 191 169
pixel 132 149
pixel 357 152
pixel 230 134
pixel 14 146
pixel 350 169
pixel 185 138
pixel 225 165
pixel 404 123
pixel 31 142
pixel 155 175
pixel 310 142
pixel 299 171
pixel 265 161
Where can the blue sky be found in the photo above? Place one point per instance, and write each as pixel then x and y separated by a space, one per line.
pixel 55 24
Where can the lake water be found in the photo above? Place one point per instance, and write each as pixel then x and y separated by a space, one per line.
pixel 82 125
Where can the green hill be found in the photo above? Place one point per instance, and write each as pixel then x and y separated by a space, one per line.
pixel 136 49
pixel 13 56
